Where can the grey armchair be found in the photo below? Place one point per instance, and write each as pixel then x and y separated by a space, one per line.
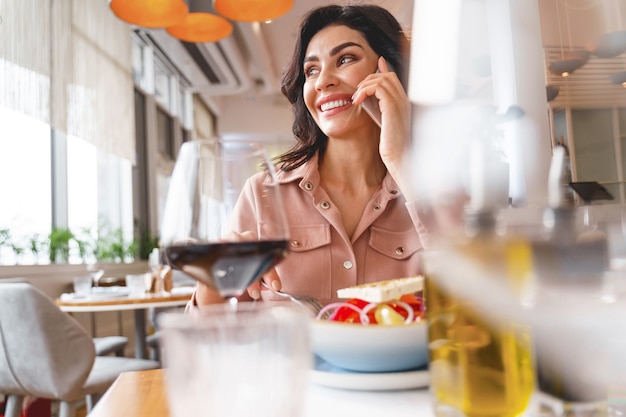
pixel 46 353
pixel 107 345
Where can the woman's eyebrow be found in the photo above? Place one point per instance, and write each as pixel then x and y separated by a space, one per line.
pixel 334 51
pixel 344 45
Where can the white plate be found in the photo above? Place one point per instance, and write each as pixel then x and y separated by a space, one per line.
pixel 328 375
pixel 97 293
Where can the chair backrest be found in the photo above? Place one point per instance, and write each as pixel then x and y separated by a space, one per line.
pixel 44 352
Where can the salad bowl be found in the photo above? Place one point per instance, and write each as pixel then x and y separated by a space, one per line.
pixel 370 348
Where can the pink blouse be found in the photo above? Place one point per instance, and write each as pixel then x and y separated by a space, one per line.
pixel 322 259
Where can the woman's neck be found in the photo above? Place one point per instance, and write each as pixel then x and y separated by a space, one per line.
pixel 353 164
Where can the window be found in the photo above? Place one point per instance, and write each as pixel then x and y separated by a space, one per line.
pixel 164 134
pixel 168 114
pixel 25 169
pixel 99 203
pixel 57 181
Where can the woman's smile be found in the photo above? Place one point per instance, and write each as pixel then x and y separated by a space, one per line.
pixel 334 104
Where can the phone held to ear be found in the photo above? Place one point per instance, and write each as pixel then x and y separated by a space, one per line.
pixel 370 105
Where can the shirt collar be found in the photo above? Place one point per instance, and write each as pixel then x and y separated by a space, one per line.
pixel 309 173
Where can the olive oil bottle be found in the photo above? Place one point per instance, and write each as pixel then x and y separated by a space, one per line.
pixel 480 365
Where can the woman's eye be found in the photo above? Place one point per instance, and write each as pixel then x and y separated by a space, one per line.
pixel 310 72
pixel 345 59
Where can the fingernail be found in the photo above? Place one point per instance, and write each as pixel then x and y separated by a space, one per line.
pixel 275 285
pixel 255 294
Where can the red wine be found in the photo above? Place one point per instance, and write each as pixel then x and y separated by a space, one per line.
pixel 228 267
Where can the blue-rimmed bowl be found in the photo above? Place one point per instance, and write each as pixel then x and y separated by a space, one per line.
pixel 371 348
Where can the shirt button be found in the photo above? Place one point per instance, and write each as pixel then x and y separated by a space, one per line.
pixel 400 250
pixel 394 192
pixel 325 205
pixel 308 186
pixel 377 207
pixel 295 244
pixel 347 265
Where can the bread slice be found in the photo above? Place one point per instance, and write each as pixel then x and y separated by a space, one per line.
pixel 377 292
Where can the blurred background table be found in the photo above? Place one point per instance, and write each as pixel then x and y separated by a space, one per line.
pixel 138 305
pixel 142 394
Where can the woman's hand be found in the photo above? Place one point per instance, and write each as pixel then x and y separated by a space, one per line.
pixel 395 109
pixel 208 295
pixel 270 278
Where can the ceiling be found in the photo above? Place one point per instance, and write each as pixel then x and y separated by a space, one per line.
pixel 565 25
pixel 576 25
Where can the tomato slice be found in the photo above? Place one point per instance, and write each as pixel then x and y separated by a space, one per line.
pixel 416 303
pixel 348 315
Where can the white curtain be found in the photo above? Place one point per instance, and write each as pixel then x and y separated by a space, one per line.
pixel 25 57
pixel 69 63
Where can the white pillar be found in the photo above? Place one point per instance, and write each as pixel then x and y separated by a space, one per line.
pixel 451 99
pixel 518 75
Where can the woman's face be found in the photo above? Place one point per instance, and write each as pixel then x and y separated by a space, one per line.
pixel 336 60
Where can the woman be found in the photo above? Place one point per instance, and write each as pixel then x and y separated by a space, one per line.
pixel 342 185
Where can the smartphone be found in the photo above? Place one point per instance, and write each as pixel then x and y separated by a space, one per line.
pixel 370 105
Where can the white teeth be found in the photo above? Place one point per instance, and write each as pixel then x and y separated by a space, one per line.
pixel 334 104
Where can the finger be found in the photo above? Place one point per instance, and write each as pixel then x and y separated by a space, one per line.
pixel 271 278
pixel 254 291
pixel 383 66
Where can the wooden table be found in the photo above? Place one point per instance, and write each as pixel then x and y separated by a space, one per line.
pixel 134 394
pixel 143 394
pixel 138 305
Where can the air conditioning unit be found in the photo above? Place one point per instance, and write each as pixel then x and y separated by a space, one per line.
pixel 212 69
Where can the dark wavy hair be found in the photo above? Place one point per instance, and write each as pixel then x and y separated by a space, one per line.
pixel 384 35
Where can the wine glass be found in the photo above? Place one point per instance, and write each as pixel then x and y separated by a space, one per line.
pixel 211 234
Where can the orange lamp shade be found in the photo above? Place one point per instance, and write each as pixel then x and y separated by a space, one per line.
pixel 150 13
pixel 201 27
pixel 252 10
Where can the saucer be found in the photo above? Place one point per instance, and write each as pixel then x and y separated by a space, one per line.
pixel 325 374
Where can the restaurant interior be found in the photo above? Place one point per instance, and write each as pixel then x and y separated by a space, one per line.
pixel 101 107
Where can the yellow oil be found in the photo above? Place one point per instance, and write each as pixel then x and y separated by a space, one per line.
pixel 479 367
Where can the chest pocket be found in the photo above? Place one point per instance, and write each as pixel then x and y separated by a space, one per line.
pixel 394 244
pixel 307 268
pixel 306 238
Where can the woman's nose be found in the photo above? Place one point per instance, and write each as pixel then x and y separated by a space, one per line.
pixel 326 78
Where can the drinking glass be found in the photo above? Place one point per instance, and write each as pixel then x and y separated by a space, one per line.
pixel 201 236
pixel 82 285
pixel 226 363
pixel 96 273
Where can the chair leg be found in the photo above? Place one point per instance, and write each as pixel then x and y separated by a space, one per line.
pixel 13 406
pixel 91 400
pixel 67 409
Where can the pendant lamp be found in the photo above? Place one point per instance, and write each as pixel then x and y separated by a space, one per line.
pixel 571 62
pixel 552 91
pixel 573 59
pixel 201 27
pixel 150 13
pixel 610 45
pixel 619 78
pixel 252 10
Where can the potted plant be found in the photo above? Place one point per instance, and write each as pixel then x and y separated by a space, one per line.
pixel 59 244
